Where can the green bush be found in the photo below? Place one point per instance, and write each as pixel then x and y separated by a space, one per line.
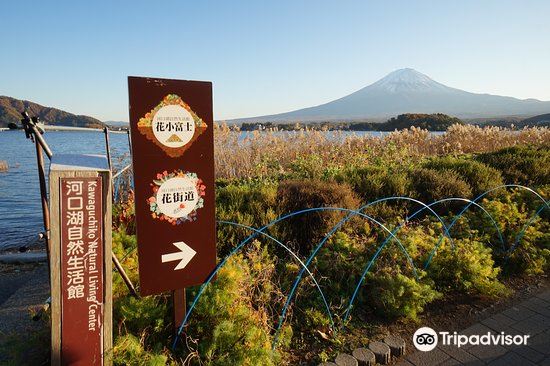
pixel 527 165
pixel 307 229
pixel 125 248
pixel 252 204
pixel 394 295
pixel 532 254
pixel 340 263
pixel 479 176
pixel 146 314
pixel 128 350
pixel 468 268
pixel 307 167
pixel 432 185
pixel 232 322
pixel 374 182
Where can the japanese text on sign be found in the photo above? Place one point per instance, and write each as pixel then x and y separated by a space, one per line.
pixel 81 262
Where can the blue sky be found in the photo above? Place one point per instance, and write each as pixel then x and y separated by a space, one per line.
pixel 266 57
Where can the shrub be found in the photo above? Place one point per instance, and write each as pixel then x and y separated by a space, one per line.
pixel 431 185
pixel 231 323
pixel 146 314
pixel 125 248
pixel 394 295
pixel 479 176
pixel 308 228
pixel 468 268
pixel 128 350
pixel 531 255
pixel 248 203
pixel 374 182
pixel 526 165
pixel 307 167
pixel 341 261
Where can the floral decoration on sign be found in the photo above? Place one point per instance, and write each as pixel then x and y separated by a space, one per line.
pixel 176 197
pixel 172 125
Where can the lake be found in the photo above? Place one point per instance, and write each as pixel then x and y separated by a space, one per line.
pixel 20 209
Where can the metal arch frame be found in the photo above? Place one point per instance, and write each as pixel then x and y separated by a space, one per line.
pixel 375 256
pixel 470 202
pixel 475 200
pixel 337 227
pixel 473 203
pixel 354 213
pixel 284 217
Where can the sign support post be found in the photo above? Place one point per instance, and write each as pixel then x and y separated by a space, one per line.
pixel 178 302
pixel 80 260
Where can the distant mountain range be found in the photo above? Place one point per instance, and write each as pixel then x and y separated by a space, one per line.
pixel 543 119
pixel 11 108
pixel 409 91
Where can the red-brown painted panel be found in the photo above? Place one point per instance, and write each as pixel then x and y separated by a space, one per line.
pixel 172 136
pixel 81 271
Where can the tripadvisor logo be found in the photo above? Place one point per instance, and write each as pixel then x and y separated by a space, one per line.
pixel 426 339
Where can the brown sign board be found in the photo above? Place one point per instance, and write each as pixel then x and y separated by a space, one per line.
pixel 82 289
pixel 172 132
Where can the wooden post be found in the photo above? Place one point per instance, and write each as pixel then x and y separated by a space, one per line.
pixel 178 302
pixel 80 260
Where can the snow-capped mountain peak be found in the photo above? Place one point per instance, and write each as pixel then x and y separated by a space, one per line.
pixel 409 91
pixel 404 80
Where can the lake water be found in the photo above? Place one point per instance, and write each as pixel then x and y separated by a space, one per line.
pixel 20 209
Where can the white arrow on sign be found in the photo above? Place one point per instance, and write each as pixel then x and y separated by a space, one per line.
pixel 185 255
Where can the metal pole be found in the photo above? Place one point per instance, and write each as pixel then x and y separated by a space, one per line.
pixel 43 197
pixel 34 134
pixel 40 140
pixel 107 147
pixel 108 151
pixel 129 143
pixel 124 276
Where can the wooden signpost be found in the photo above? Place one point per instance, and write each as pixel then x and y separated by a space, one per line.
pixel 171 127
pixel 80 260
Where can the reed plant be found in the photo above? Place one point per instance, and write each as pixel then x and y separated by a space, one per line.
pixel 266 153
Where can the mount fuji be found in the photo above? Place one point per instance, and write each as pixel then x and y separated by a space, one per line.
pixel 409 91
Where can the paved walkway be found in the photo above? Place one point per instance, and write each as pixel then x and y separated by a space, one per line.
pixel 19 292
pixel 531 317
